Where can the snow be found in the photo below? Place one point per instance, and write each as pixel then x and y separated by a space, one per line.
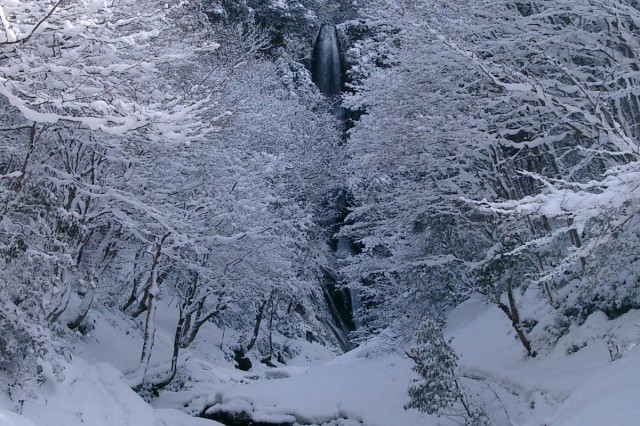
pixel 575 383
pixel 559 385
pixel 115 77
pixel 348 389
pixel 610 396
pixel 168 417
pixel 9 418
pixel 284 372
pixel 14 174
pixel 95 395
pixel 369 387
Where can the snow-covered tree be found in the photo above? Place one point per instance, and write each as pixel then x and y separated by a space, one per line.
pixel 139 164
pixel 585 89
pixel 412 155
pixel 438 389
pixel 477 110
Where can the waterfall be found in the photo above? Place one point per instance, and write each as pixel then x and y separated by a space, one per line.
pixel 326 62
pixel 326 67
pixel 327 73
pixel 345 249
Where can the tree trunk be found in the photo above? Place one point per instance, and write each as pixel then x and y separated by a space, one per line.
pixel 152 292
pixel 256 328
pixel 17 186
pixel 87 300
pixel 512 313
pixel 135 292
pixel 199 322
pixel 183 321
pixel 174 357
pixel 61 307
pixel 142 306
pixel 575 238
pixel 272 312
pixel 147 344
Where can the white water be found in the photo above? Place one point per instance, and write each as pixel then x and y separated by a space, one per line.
pixel 327 75
pixel 327 69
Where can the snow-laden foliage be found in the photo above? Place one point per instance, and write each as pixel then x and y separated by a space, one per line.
pixel 437 390
pixel 496 153
pixel 147 155
pixel 412 155
pixel 158 154
pixel 292 24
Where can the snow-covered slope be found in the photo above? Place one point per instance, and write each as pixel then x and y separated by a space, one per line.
pixel 97 395
pixel 565 386
pixel 559 387
pixel 577 383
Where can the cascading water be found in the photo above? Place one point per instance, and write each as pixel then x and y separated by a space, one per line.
pixel 326 61
pixel 345 249
pixel 327 74
pixel 326 67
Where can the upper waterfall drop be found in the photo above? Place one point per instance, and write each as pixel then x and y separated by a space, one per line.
pixel 326 66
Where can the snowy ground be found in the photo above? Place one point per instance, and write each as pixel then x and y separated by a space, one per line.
pixel 558 388
pixel 575 384
pixel 562 387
